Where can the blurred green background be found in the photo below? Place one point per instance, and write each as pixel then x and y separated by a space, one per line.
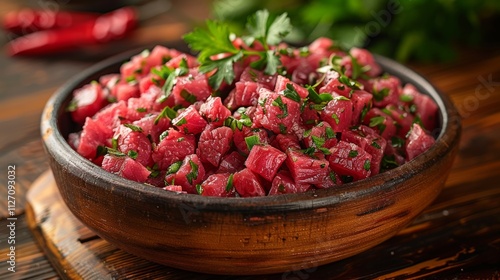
pixel 417 30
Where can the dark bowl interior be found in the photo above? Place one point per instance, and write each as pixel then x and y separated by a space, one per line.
pixel 84 185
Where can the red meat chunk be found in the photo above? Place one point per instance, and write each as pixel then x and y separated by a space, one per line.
pixel 323 134
pixel 126 167
pixel 191 88
pixel 277 112
pixel 135 144
pixel 382 123
pixel 306 169
pixel 94 134
pixel 214 111
pixel 231 163
pixel 247 184
pixel 214 144
pixel 348 159
pixel 190 121
pixel 87 101
pixel 240 135
pixel 218 185
pixel 265 160
pixel 283 183
pixel 338 113
pixel 417 142
pixel 190 173
pixel 370 141
pixel 281 85
pixel 174 147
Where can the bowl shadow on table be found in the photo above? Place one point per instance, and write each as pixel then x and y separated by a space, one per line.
pixel 275 234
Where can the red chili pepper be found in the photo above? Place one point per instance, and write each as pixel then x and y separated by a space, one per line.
pixel 101 29
pixel 27 21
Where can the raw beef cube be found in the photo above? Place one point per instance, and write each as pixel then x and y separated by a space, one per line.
pixel 370 141
pixel 190 173
pixel 382 123
pixel 174 147
pixel 247 184
pixel 240 135
pixel 283 183
pixel 281 85
pixel 322 134
pixel 135 144
pixel 231 163
pixel 190 121
pixel 191 88
pixel 126 167
pixel 338 113
pixel 417 142
pixel 348 159
pixel 265 160
pixel 214 111
pixel 214 144
pixel 218 185
pixel 306 169
pixel 94 134
pixel 277 112
pixel 87 101
pixel 361 103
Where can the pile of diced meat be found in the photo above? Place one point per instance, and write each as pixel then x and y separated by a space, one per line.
pixel 307 127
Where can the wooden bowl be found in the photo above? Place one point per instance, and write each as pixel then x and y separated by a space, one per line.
pixel 246 235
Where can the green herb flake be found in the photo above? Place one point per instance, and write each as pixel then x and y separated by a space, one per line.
pixel 193 174
pixel 376 145
pixel 167 112
pixel 397 142
pixel 281 188
pixel 188 96
pixel 141 110
pixel 283 107
pixel 376 121
pixel 174 167
pixel 229 184
pixel 163 135
pixel 330 134
pixel 115 152
pixel 318 98
pixel 282 128
pixel 353 153
pixel 291 93
pixel 336 118
pixel 181 122
pixel 131 79
pixel 199 189
pixel 332 177
pixel 406 98
pixel 367 165
pixel 132 154
pixel 72 106
pixel 318 141
pixel 252 141
pixel 134 128
pixel 379 95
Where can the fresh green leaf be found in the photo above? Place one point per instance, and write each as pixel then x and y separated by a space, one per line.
pixel 291 93
pixel 330 134
pixel 283 107
pixel 133 127
pixel 318 98
pixel 252 141
pixel 167 112
pixel 193 174
pixel 406 98
pixel 229 184
pixel 367 165
pixel 336 118
pixel 379 95
pixel 132 154
pixel 353 153
pixel 174 167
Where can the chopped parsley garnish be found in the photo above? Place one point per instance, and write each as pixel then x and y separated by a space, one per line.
pixel 132 154
pixel 234 123
pixel 216 39
pixel 252 141
pixel 379 95
pixel 329 133
pixel 133 127
pixel 193 174
pixel 336 118
pixel 376 145
pixel 378 122
pixel 364 111
pixel 163 135
pixel 181 122
pixel 358 71
pixel 281 188
pixel 388 162
pixel 367 165
pixel 353 153
pixel 141 110
pixel 229 184
pixel 188 96
pixel 282 128
pixel 283 107
pixel 174 167
pixel 397 142
pixel 318 98
pixel 406 97
pixel 101 151
pixel 72 106
pixel 291 93
pixel 199 189
pixel 115 152
pixel 167 112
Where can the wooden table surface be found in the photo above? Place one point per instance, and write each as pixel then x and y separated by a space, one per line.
pixel 457 237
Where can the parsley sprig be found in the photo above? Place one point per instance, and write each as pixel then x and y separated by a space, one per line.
pixel 218 53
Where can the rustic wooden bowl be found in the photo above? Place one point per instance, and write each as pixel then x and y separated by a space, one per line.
pixel 246 235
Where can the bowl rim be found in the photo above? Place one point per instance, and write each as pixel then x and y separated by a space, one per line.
pixel 59 149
